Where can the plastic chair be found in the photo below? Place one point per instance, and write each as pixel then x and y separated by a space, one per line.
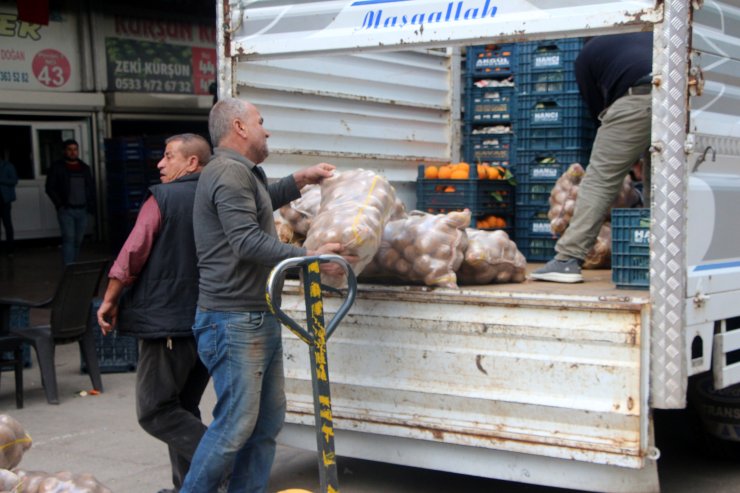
pixel 13 344
pixel 70 322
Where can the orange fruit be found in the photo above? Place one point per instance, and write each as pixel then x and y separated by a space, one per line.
pixel 463 166
pixel 493 173
pixel 482 173
pixel 431 172
pixel 445 172
pixel 459 174
pixel 450 189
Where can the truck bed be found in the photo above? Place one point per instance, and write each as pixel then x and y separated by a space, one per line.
pixel 536 370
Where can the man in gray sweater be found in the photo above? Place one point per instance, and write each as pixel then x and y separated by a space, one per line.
pixel 238 338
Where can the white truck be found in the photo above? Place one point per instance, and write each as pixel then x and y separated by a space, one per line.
pixel 534 382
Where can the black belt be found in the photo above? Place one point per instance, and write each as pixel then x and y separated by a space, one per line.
pixel 641 89
pixel 643 85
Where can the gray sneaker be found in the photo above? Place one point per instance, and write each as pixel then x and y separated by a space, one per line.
pixel 559 271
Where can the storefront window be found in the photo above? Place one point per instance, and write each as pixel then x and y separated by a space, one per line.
pixel 15 146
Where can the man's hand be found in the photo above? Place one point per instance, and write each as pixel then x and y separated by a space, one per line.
pixel 107 316
pixel 332 268
pixel 314 174
pixel 108 311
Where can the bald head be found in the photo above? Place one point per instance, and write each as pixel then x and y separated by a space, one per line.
pixel 237 124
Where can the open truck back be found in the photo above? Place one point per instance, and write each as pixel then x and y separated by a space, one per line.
pixel 533 382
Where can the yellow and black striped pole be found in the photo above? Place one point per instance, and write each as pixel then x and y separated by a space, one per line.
pixel 315 335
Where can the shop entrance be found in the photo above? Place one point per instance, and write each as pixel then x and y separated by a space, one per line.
pixel 32 146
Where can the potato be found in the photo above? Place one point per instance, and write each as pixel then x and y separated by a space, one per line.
pixel 491 257
pixel 354 208
pixel 301 211
pixel 424 247
pixel 60 482
pixel 14 441
pixel 600 255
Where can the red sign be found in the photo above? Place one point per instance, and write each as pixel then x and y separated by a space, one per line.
pixel 204 69
pixel 51 68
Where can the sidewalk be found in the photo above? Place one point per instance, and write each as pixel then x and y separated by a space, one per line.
pixel 98 434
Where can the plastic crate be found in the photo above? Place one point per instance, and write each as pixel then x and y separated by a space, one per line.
pixel 481 197
pixel 631 248
pixel 495 104
pixel 116 353
pixel 492 59
pixel 19 317
pixel 534 238
pixel 507 215
pixel 536 173
pixel 562 137
pixel 546 83
pixel 552 111
pixel 549 55
pixel 494 148
pixel 124 149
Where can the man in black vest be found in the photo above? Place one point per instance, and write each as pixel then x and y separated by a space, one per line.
pixel 155 277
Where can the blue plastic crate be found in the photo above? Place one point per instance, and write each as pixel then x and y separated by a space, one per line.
pixel 124 149
pixel 493 104
pixel 562 137
pixel 534 238
pixel 536 249
pixel 19 317
pixel 532 222
pixel 481 197
pixel 492 59
pixel 552 111
pixel 536 173
pixel 116 353
pixel 491 148
pixel 549 55
pixel 546 83
pixel 631 248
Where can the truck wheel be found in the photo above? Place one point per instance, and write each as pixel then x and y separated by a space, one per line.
pixel 714 416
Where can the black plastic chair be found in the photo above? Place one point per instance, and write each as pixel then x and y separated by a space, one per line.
pixel 70 322
pixel 11 344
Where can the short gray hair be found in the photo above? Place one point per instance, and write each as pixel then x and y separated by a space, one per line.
pixel 193 145
pixel 222 114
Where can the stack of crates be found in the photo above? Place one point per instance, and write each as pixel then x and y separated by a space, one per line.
pixel 491 201
pixel 489 105
pixel 554 130
pixel 131 167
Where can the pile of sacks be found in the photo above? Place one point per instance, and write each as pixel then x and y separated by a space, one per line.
pixel 360 210
pixel 14 441
pixel 562 205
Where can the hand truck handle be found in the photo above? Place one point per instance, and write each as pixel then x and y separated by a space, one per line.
pixel 275 284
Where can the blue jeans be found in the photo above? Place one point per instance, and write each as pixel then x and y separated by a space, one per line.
pixel 243 352
pixel 72 224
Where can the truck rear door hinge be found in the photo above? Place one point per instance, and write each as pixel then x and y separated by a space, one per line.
pixel 696 81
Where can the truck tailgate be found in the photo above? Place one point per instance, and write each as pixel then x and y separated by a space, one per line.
pixel 537 368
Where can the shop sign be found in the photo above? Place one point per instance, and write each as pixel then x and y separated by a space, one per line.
pixel 160 56
pixel 34 57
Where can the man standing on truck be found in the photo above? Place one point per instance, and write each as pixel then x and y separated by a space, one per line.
pixel 157 267
pixel 238 338
pixel 614 77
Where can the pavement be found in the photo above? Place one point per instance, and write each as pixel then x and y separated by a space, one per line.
pixel 99 434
